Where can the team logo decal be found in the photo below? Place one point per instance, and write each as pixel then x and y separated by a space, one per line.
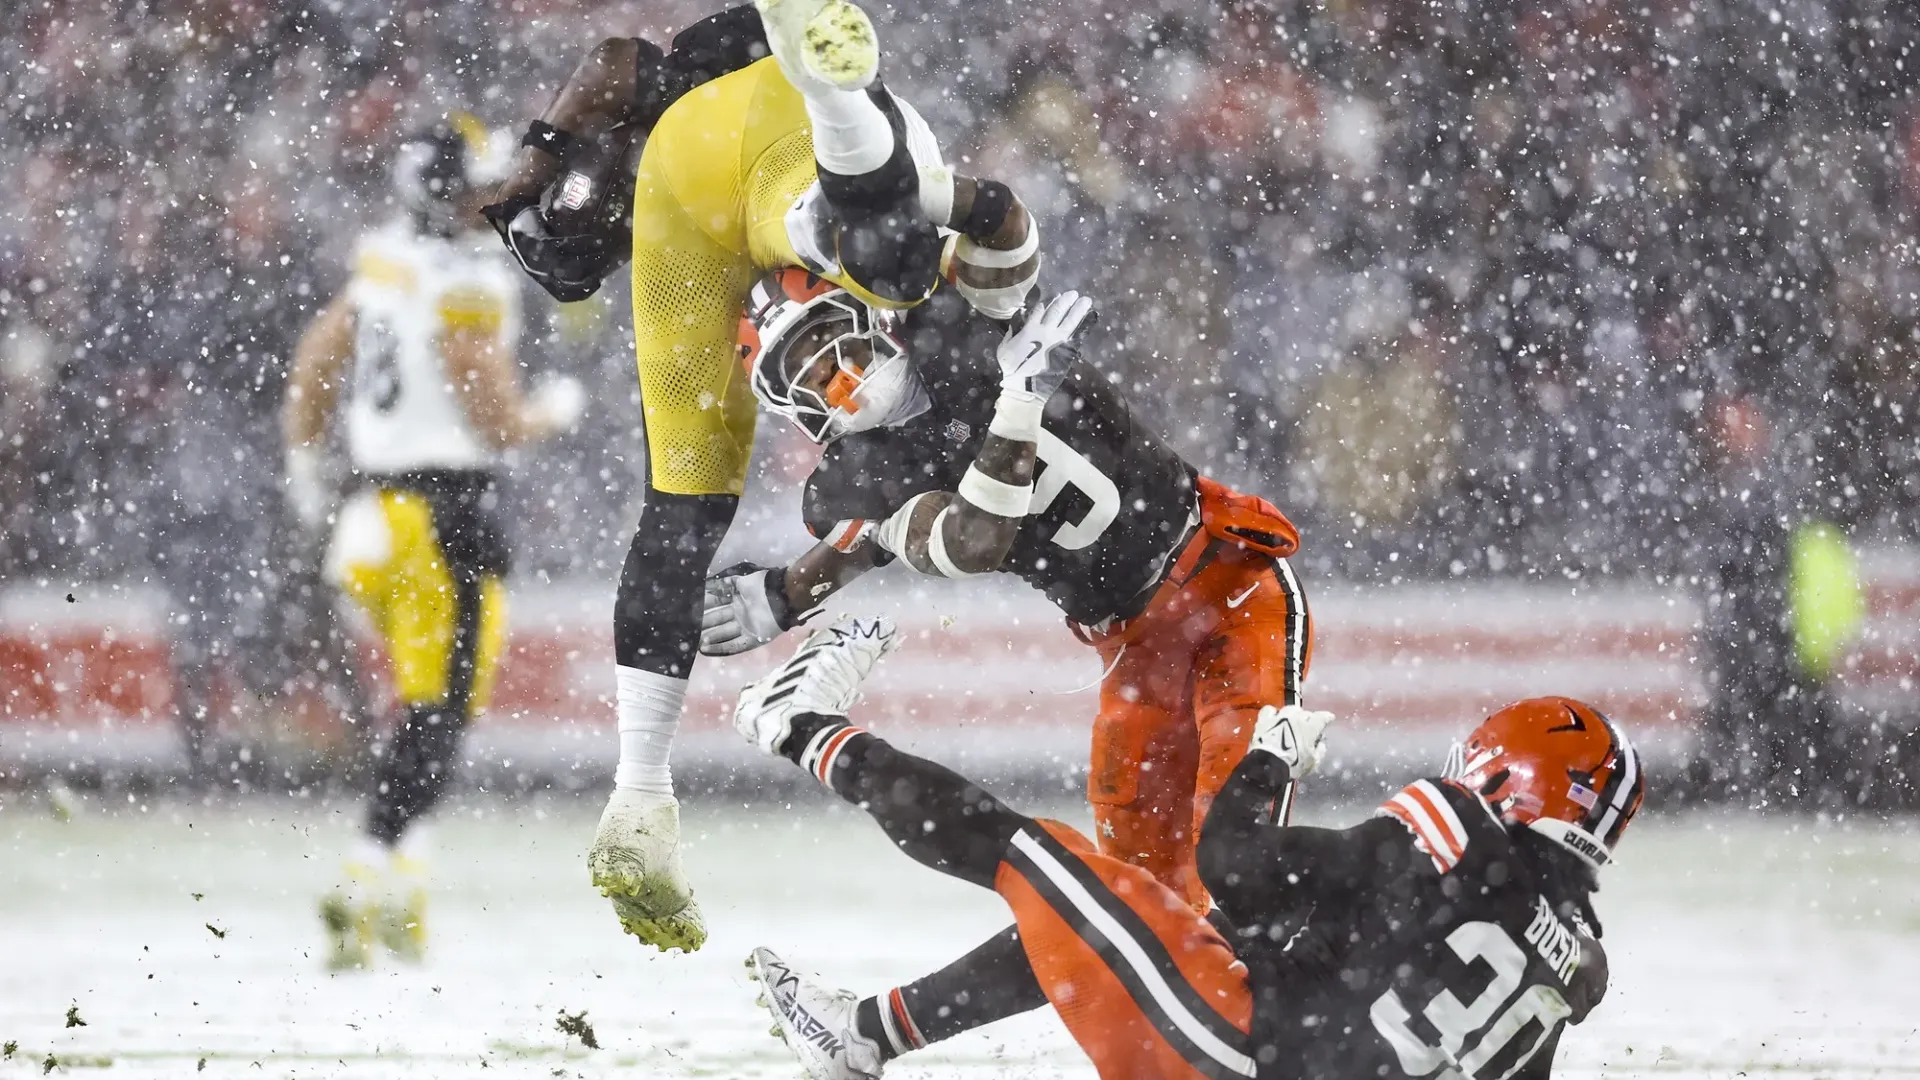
pixel 574 192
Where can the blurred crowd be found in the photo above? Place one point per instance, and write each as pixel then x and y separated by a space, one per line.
pixel 1466 287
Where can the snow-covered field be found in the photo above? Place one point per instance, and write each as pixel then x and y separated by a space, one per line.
pixel 1740 946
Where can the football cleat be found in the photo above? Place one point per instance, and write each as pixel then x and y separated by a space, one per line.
pixel 830 42
pixel 402 922
pixel 635 862
pixel 823 676
pixel 350 913
pixel 815 1022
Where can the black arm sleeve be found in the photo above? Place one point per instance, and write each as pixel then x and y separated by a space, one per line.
pixel 1260 874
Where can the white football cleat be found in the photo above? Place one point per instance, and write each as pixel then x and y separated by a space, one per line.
pixel 823 676
pixel 829 42
pixel 815 1022
pixel 635 862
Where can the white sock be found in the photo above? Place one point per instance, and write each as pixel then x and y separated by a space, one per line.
pixel 414 846
pixel 850 134
pixel 649 710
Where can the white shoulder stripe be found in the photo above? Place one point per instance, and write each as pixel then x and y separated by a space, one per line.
pixel 1420 824
pixel 1424 809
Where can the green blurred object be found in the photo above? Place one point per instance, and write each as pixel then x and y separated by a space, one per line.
pixel 1824 597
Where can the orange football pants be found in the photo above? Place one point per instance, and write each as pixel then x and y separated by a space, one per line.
pixel 1146 986
pixel 1226 632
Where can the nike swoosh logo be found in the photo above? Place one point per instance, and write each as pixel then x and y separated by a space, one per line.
pixel 1035 349
pixel 1236 601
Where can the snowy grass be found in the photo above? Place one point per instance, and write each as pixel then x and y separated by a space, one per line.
pixel 1764 947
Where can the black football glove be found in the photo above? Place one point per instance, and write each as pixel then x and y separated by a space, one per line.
pixel 569 268
pixel 579 228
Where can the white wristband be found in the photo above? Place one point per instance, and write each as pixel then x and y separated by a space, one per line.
pixel 969 251
pixel 1016 416
pixel 937 548
pixel 1002 303
pixel 995 496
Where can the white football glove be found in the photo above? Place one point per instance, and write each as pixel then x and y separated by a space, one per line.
pixel 1034 359
pixel 745 607
pixel 307 492
pixel 555 404
pixel 823 676
pixel 1292 734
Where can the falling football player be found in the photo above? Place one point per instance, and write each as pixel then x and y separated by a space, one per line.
pixel 422 342
pixel 962 449
pixel 1452 934
pixel 994 450
pixel 801 159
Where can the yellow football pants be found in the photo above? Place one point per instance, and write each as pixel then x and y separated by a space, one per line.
pixel 444 627
pixel 689 293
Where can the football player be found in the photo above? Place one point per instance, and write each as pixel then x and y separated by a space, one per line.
pixel 801 159
pixel 1004 451
pixel 1451 934
pixel 421 342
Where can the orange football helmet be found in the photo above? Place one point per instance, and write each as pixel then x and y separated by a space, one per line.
pixel 1558 767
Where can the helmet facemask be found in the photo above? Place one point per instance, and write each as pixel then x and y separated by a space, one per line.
pixel 839 370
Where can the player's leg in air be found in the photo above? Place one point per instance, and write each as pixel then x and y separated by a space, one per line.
pixel 1145 984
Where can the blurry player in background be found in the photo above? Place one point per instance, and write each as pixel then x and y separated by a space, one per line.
pixel 801 159
pixel 1452 934
pixel 1009 452
pixel 422 341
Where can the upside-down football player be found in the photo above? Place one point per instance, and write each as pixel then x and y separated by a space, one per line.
pixel 800 159
pixel 1006 451
pixel 1451 934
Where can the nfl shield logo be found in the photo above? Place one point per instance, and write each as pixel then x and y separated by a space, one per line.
pixel 574 192
pixel 958 431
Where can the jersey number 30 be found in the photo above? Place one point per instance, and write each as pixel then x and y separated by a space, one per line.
pixel 1539 1007
pixel 1066 468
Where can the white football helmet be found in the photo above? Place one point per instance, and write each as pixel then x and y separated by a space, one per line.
pixel 853 380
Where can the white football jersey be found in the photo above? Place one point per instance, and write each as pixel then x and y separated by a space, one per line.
pixel 407 290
